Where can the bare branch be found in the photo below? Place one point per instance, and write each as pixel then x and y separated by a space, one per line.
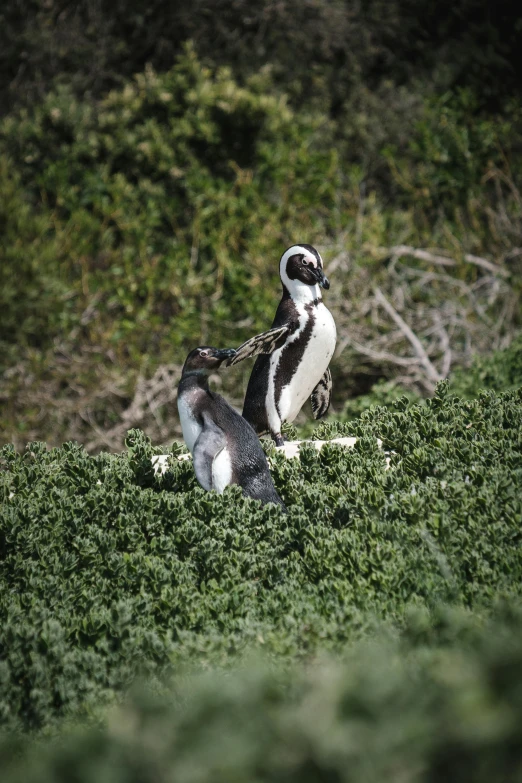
pixel 384 356
pixel 485 264
pixel 422 255
pixel 433 258
pixel 423 357
pixel 149 396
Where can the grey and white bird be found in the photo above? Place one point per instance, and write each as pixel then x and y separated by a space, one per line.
pixel 303 334
pixel 224 447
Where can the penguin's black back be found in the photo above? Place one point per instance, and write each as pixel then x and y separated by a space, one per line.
pixel 254 408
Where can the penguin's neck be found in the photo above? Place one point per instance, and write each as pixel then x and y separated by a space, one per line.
pixel 301 293
pixel 193 381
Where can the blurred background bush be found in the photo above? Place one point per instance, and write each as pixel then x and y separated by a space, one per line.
pixel 399 711
pixel 155 162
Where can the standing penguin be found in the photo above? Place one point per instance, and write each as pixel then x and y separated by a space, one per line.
pixel 224 447
pixel 298 367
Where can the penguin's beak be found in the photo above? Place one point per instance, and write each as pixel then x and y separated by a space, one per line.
pixel 222 354
pixel 321 278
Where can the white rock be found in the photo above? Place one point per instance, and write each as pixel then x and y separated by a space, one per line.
pixel 290 450
pixel 160 462
pixel 291 447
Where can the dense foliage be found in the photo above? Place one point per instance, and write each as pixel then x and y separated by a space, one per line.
pixel 442 704
pixel 157 186
pixel 107 571
pixel 154 164
pixel 324 48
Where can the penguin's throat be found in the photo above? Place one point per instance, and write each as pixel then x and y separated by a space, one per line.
pixel 302 293
pixel 197 377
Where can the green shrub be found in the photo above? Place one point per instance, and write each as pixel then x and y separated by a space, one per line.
pixel 31 290
pixel 165 186
pixel 320 50
pixel 396 710
pixel 500 371
pixel 453 152
pixel 107 571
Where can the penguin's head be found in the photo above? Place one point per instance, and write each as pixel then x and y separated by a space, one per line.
pixel 205 360
pixel 301 270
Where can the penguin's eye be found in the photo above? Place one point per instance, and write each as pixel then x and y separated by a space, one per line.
pixel 203 353
pixel 305 262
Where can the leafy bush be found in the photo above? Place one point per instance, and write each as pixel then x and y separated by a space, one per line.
pixel 163 185
pixel 318 49
pixel 454 151
pixel 397 710
pixel 500 371
pixel 107 571
pixel 31 291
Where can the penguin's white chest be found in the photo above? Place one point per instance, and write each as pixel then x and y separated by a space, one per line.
pixel 314 362
pixel 189 424
pixel 221 470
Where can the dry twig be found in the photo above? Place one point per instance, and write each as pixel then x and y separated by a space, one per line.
pixel 416 344
pixel 433 258
pixel 149 397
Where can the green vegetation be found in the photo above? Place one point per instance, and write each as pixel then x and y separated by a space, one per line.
pixel 154 163
pixel 385 606
pixel 500 371
pixel 156 187
pixel 442 704
pixel 153 167
pixel 108 571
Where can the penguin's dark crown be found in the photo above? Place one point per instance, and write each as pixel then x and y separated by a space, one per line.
pixel 204 360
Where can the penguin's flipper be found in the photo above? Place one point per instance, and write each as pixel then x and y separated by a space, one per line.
pixel 266 342
pixel 320 398
pixel 210 442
